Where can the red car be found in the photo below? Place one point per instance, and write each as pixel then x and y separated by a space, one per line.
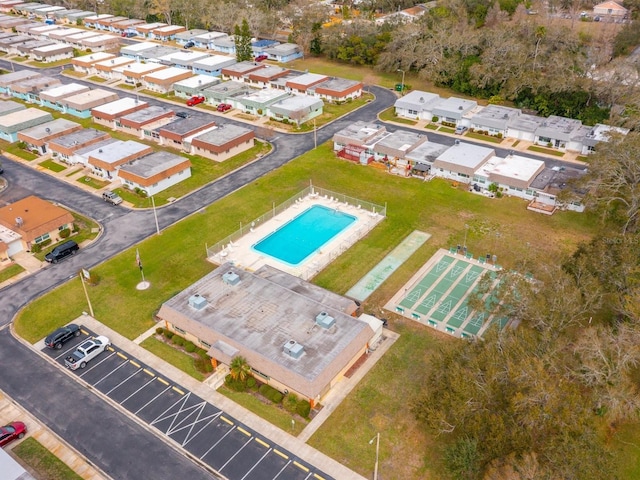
pixel 195 101
pixel 10 432
pixel 260 58
pixel 223 107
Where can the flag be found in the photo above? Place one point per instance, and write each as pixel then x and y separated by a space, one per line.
pixel 138 261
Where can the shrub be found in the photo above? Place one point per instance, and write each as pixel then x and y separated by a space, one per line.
pixel 64 233
pixel 202 365
pixel 202 353
pixel 21 145
pixel 290 403
pixel 251 382
pixel 303 408
pixel 36 248
pixel 168 334
pixel 435 119
pixel 236 385
pixel 75 228
pixel 271 393
pixel 178 340
pixel 159 331
pixel 189 346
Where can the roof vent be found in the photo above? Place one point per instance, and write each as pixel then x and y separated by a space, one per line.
pixel 325 320
pixel 457 142
pixel 19 222
pixel 421 99
pixel 99 150
pixel 231 278
pixel 293 349
pixel 460 107
pixel 48 130
pixel 197 301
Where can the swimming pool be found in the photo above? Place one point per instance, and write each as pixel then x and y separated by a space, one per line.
pixel 303 235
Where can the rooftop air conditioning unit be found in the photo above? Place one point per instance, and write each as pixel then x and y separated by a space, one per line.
pixel 293 349
pixel 231 278
pixel 324 320
pixel 197 301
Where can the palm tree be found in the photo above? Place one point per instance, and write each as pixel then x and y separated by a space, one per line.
pixel 239 369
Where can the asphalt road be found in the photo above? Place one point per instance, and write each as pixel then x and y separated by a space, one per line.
pixel 117 444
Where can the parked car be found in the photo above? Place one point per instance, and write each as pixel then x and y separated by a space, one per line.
pixel 111 197
pixel 189 44
pixel 261 58
pixel 195 100
pixel 62 251
pixel 60 336
pixel 223 107
pixel 460 129
pixel 86 352
pixel 11 432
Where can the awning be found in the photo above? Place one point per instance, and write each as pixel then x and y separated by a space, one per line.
pixel 422 167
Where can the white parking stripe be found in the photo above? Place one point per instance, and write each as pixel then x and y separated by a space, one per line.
pixel 191 437
pixel 125 380
pixel 96 364
pixel 234 455
pixel 216 444
pixel 256 464
pixel 66 352
pixel 137 391
pixel 281 470
pixel 111 372
pixel 151 401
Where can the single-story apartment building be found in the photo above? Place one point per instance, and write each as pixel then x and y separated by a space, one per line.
pixel 84 63
pixel 155 172
pixel 205 40
pixel 9 106
pixel 64 147
pixel 237 71
pixel 38 137
pixel 184 59
pixel 224 92
pixel 144 122
pixel 29 90
pixel 15 122
pixel 111 69
pixel 557 131
pixel 51 97
pixel 174 134
pixel 284 52
pixel 513 175
pixel 51 53
pixel 258 101
pixel 145 29
pixel 107 161
pixel 417 105
pixel 222 142
pixel 133 51
pixel 316 340
pixel 303 83
pixel 336 90
pixel 81 155
pixel 162 81
pixel 191 86
pixel 460 162
pixel 20 76
pixel 296 108
pixel 212 65
pixel 494 120
pixel 262 78
pixel 80 105
pixel 167 33
pixel 188 35
pixel 453 110
pixel 134 72
pixel 108 114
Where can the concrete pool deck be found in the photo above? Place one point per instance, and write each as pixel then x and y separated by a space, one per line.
pixel 241 253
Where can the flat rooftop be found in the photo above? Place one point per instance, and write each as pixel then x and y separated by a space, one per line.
pixel 526 123
pixel 262 315
pixel 79 137
pixel 117 151
pixel 183 126
pixel 64 90
pixel 426 152
pixel 167 74
pixel 138 47
pixel 512 166
pixel 336 84
pixel 401 140
pixel 454 105
pixel 360 131
pixel 197 81
pixel 223 134
pixel 96 146
pixel 120 105
pixel 242 68
pixel 556 179
pixel 153 164
pixel 8 106
pixel 147 114
pixel 466 155
pixel 309 78
pixel 45 130
pixel 215 61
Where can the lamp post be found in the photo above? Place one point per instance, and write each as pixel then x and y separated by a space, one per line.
pixel 402 91
pixel 466 229
pixel 377 439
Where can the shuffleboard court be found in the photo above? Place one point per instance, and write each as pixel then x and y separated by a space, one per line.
pixel 437 295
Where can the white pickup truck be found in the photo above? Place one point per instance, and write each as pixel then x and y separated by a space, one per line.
pixel 86 352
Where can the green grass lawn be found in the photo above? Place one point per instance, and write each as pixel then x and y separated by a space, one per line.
pixel 175 357
pixel 389 115
pixel 73 172
pixel 58 63
pixel 431 126
pixel 486 138
pixel 274 415
pixel 93 182
pixel 175 260
pixel 10 272
pixel 45 464
pixel 53 166
pixel 548 151
pixel 447 130
pixel 99 80
pixel 13 149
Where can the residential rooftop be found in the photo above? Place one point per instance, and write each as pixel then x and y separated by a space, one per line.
pixel 223 134
pixel 153 164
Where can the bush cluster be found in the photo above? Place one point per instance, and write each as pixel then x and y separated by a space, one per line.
pixel 159 331
pixel 37 247
pixel 64 233
pixel 234 384
pixel 178 340
pixel 290 403
pixel 203 365
pixel 168 334
pixel 270 393
pixel 303 408
pixel 189 346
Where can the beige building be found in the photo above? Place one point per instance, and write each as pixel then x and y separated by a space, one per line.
pixel 296 336
pixel 221 142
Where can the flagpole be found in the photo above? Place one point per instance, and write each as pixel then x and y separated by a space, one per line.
pixel 86 294
pixel 155 215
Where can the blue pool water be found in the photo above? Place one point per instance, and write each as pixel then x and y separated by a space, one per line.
pixel 303 235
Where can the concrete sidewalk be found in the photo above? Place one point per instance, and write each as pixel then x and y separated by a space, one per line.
pixel 296 445
pixel 10 411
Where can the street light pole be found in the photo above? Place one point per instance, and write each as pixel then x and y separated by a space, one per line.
pixel 402 91
pixel 377 439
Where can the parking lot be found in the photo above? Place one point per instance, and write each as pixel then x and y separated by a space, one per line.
pixel 206 432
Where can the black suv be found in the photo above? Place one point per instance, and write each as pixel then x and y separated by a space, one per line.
pixel 62 251
pixel 61 335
